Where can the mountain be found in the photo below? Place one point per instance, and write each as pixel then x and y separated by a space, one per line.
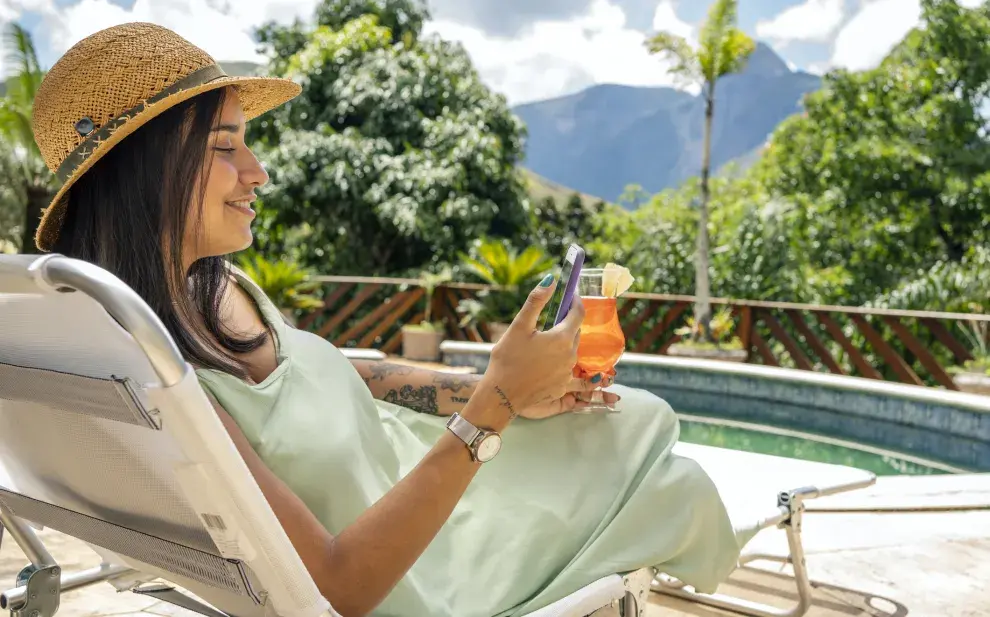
pixel 539 188
pixel 607 137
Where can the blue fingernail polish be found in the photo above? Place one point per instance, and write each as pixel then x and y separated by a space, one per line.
pixel 596 378
pixel 547 281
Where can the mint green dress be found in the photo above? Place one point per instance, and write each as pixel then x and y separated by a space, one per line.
pixel 567 501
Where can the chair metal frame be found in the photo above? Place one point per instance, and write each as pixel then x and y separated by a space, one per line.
pixel 791 519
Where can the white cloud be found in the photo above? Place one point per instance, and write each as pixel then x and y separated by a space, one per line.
pixel 553 58
pixel 878 26
pixel 225 32
pixel 873 31
pixel 665 19
pixel 814 21
pixel 13 9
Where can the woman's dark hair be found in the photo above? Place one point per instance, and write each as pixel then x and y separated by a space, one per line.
pixel 128 215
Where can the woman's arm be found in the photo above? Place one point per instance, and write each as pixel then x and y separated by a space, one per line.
pixel 443 394
pixel 356 569
pixel 419 389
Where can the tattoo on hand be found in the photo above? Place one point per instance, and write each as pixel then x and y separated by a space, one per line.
pixel 379 371
pixel 422 399
pixel 506 402
pixel 453 382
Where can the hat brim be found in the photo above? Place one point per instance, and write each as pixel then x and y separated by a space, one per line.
pixel 257 95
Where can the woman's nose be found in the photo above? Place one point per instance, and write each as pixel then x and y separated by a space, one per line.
pixel 254 173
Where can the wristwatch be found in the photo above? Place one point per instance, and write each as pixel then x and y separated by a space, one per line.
pixel 483 444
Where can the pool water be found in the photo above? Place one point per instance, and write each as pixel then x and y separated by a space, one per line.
pixel 764 440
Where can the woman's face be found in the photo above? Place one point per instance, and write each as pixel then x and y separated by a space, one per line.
pixel 233 174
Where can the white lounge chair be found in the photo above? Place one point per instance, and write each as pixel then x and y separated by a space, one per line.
pixel 106 435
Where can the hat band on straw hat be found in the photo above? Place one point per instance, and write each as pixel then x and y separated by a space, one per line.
pixel 86 148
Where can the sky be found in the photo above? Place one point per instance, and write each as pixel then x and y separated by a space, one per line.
pixel 526 49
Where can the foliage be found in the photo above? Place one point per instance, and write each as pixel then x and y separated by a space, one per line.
pixel 496 263
pixel 398 156
pixel 723 50
pixel 285 282
pixel 12 199
pixel 978 336
pixel 430 281
pixel 29 185
pixel 721 326
pixel 890 168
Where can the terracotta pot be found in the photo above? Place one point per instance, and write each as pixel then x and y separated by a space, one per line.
pixel 974 383
pixel 497 330
pixel 422 345
pixel 724 355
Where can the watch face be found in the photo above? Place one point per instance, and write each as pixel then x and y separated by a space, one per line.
pixel 489 447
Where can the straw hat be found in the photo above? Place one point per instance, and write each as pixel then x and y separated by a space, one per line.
pixel 113 82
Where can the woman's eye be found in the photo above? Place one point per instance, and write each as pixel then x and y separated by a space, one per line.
pixel 219 149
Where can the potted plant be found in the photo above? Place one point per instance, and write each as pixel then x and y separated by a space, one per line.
pixel 287 283
pixel 496 308
pixel 422 341
pixel 974 375
pixel 507 271
pixel 722 344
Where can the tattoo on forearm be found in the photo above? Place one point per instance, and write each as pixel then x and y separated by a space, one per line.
pixel 459 399
pixel 506 402
pixel 422 399
pixel 453 382
pixel 380 371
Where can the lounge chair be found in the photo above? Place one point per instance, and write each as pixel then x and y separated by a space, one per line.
pixel 106 436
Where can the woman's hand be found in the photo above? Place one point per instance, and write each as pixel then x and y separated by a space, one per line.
pixel 576 398
pixel 530 368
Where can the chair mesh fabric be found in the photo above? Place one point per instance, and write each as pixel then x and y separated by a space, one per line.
pixel 112 399
pixel 200 566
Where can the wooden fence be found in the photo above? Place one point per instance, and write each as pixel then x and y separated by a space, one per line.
pixel 906 346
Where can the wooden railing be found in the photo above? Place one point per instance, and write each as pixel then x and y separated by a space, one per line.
pixel 911 347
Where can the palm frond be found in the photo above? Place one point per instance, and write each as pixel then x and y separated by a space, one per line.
pixel 21 54
pixel 735 51
pixel 530 264
pixel 15 125
pixel 724 47
pixel 722 16
pixel 678 51
pixel 479 269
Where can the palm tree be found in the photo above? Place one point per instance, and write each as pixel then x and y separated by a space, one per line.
pixel 27 169
pixel 723 49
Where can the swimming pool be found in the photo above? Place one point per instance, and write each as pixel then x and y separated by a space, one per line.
pixel 768 440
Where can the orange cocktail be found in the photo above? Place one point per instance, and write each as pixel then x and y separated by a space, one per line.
pixel 601 341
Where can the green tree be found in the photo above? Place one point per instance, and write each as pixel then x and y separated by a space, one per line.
pixel 394 158
pixel 556 225
pixel 24 172
pixel 723 49
pixel 889 169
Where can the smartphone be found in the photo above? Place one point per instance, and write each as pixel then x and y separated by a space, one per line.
pixel 563 296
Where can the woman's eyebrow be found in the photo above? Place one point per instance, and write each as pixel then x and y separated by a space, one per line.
pixel 230 128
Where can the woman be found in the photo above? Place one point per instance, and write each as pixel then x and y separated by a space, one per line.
pixel 391 512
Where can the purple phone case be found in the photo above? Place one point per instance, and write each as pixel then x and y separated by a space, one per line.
pixel 568 299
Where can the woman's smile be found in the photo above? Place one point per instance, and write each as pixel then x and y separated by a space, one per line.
pixel 243 206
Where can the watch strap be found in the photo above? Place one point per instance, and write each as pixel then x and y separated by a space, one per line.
pixel 467 432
